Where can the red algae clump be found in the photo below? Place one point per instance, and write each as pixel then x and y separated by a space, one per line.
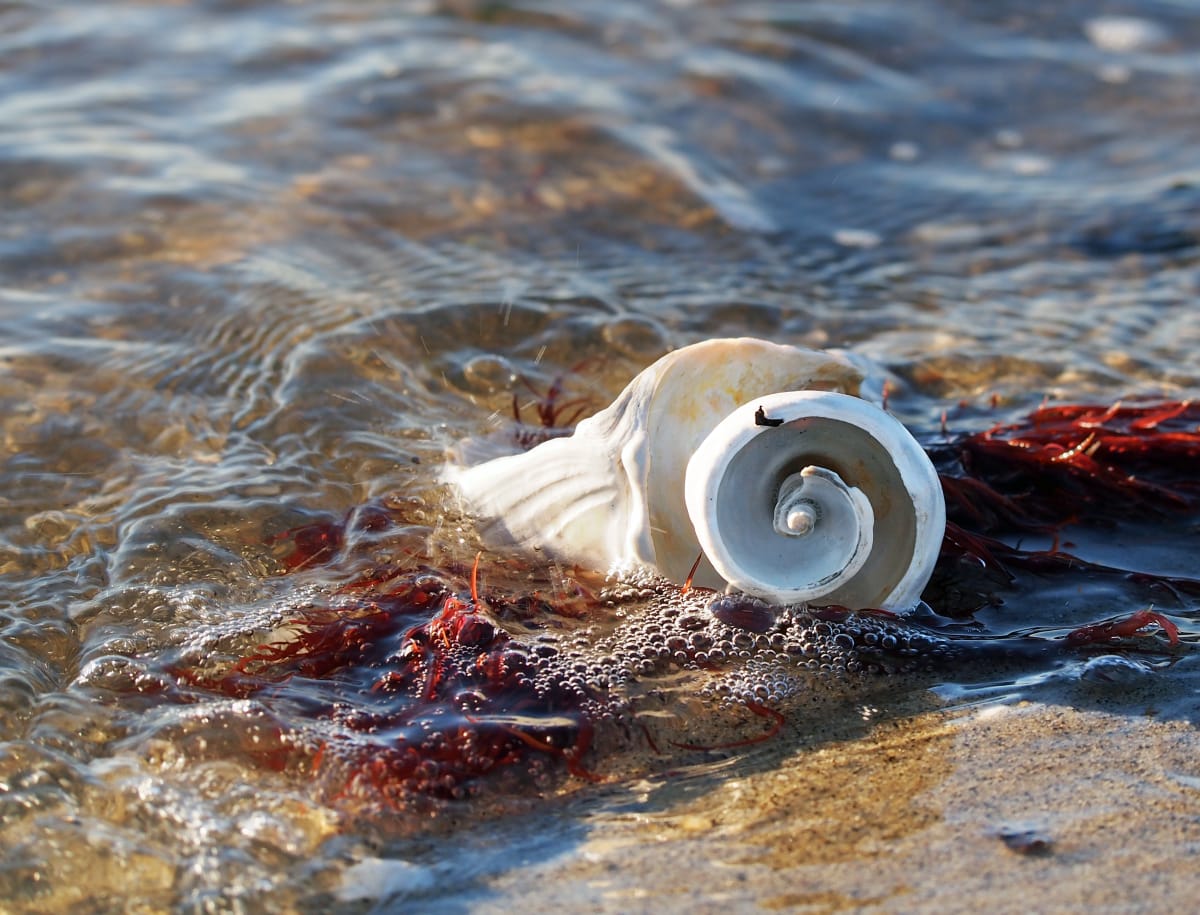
pixel 1078 463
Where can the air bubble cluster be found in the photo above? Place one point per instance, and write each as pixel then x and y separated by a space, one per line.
pixel 754 652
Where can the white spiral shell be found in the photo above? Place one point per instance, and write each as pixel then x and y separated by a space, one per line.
pixel 756 454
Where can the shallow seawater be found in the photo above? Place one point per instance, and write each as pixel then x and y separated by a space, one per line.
pixel 262 265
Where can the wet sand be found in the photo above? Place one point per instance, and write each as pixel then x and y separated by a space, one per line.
pixel 1008 807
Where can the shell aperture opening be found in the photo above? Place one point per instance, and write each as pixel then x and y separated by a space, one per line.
pixel 838 504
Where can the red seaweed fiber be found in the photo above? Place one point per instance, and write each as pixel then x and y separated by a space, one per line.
pixel 1064 468
pixel 414 689
pixel 1077 463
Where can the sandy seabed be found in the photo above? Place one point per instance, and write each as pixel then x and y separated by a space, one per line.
pixel 1003 807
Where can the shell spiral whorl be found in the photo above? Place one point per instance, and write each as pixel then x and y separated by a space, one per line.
pixel 837 503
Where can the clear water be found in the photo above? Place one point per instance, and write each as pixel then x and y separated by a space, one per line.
pixel 261 263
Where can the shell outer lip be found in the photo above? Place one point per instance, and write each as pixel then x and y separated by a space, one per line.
pixel 916 471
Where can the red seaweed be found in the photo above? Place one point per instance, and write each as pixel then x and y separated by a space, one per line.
pixel 555 417
pixel 311 545
pixel 1126 627
pixel 428 694
pixel 1077 464
pixel 319 542
pixel 422 695
pixel 1093 466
